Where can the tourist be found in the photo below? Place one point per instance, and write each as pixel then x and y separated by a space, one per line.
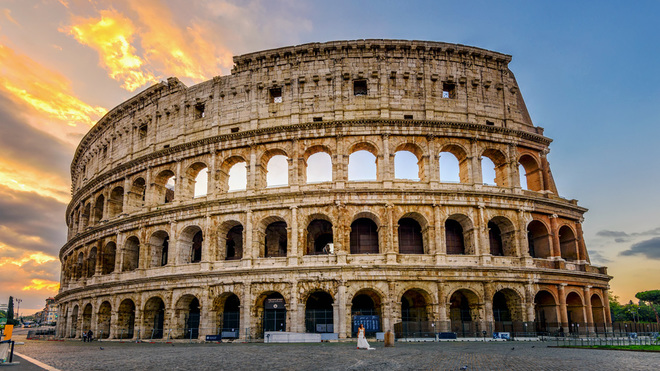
pixel 90 335
pixel 362 340
pixel 84 337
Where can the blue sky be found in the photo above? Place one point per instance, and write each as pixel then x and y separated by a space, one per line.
pixel 587 71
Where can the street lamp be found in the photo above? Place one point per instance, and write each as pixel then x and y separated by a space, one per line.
pixel 18 307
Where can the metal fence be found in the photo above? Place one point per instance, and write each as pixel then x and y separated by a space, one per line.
pixel 633 338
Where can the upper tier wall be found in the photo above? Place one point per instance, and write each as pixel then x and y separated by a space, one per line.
pixel 395 79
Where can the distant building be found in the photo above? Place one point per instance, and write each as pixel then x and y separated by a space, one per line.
pixel 51 311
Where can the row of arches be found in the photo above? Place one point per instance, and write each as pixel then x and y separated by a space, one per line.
pixel 275 168
pixel 273 235
pixel 318 311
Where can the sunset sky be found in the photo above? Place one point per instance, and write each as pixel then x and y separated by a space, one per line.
pixel 588 71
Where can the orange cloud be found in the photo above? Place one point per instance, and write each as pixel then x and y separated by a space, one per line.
pixel 7 14
pixel 38 285
pixel 111 36
pixel 45 91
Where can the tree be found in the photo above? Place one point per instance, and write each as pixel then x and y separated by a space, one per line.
pixel 10 311
pixel 652 298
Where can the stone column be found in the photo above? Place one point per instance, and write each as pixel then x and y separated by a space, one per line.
pixel 178 186
pixel 385 168
pixel 440 243
pixel 563 313
pixel 433 174
pixel 206 311
pixel 246 312
pixel 529 294
pixel 475 161
pixel 341 326
pixel 582 247
pixel 293 249
pixel 443 310
pixel 114 318
pixel 554 231
pixel 252 176
pixel 589 314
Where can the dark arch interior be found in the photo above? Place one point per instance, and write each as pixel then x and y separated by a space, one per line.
pixel 454 237
pixel 234 245
pixel 196 251
pixel 319 313
pixel 364 237
pixel 319 235
pixel 410 237
pixel 276 240
pixel 495 237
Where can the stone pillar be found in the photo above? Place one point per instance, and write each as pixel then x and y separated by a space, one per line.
pixel 208 243
pixel 252 176
pixel 444 324
pixel 293 248
pixel 554 232
pixel 212 189
pixel 523 243
pixel 340 163
pixel 440 243
pixel 206 314
pixel 389 248
pixel 385 168
pixel 563 313
pixel 179 185
pixel 433 174
pixel 119 253
pixel 589 314
pixel 482 242
pixel 296 311
pixel 583 256
pixel 530 295
pixel 246 312
pixel 489 292
pixel 341 327
pixel 475 161
pixel 114 318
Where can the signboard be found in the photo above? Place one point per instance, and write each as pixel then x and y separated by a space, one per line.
pixel 274 304
pixel 213 338
pixel 371 323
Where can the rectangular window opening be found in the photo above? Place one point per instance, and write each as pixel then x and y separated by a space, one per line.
pixel 407 117
pixel 142 131
pixel 490 123
pixel 360 87
pixel 199 111
pixel 448 91
pixel 276 95
pixel 317 119
pixel 235 130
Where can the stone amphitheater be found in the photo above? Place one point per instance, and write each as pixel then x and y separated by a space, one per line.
pixel 272 199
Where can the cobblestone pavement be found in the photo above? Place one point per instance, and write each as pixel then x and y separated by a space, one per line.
pixel 75 355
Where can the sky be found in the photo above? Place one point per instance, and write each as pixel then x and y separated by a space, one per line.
pixel 588 72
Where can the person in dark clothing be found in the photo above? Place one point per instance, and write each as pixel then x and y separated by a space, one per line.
pixel 90 335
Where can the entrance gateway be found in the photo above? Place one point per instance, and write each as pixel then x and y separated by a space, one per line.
pixel 274 314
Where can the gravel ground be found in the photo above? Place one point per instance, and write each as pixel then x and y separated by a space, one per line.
pixel 76 355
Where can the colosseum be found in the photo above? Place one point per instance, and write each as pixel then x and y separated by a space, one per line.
pixel 400 184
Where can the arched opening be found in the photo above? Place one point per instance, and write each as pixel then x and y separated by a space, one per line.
pixel 450 170
pixel 319 313
pixel 568 244
pixel 575 311
pixel 277 171
pixel 154 318
pixel 364 237
pixel 91 262
pixel 196 180
pixel 108 258
pixel 531 176
pixel 164 187
pixel 319 168
pixel 159 248
pixel 74 322
pixel 84 216
pixel 488 174
pixel 131 254
pixel 406 166
pixel 545 309
pixel 454 237
pixel 237 177
pixel 187 313
pixel 507 311
pixel 126 320
pixel 201 183
pixel 87 318
pixel 366 310
pixel 598 314
pixel 116 202
pixel 362 165
pixel 411 240
pixel 274 312
pixel 464 312
pixel 234 243
pixel 275 243
pixel 137 194
pixel 228 315
pixel 97 213
pixel 493 168
pixel 501 312
pixel 414 307
pixel 319 237
pixel 189 244
pixel 538 240
pixel 104 316
pixel 79 266
pixel 502 237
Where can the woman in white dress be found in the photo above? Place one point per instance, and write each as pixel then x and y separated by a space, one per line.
pixel 362 340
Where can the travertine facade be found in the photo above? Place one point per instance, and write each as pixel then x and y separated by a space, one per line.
pixel 147 254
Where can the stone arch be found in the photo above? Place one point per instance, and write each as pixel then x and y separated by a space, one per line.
pixel 137 194
pixel 79 265
pixel 546 311
pixel 227 314
pixel 116 202
pixel 500 161
pixel 164 187
pixel 568 243
pixel 320 157
pixel 410 234
pixel 464 305
pixel 507 307
pixel 97 212
pixel 270 311
pixel 159 249
pixel 364 235
pixel 195 182
pixel 319 311
pixel 502 237
pixel 462 161
pixel 575 311
pixel 367 302
pixel 416 306
pixel 538 239
pixel 131 254
pixel 126 319
pixel 319 235
pixel 189 244
pixel 268 178
pixel 108 258
pixel 74 321
pixel 187 314
pixel 91 261
pixel 230 240
pixel 459 235
pixel 231 176
pixel 533 174
pixel 416 151
pixel 104 317
pixel 598 311
pixel 275 237
pixel 85 214
pixel 357 171
pixel 154 318
pixel 88 309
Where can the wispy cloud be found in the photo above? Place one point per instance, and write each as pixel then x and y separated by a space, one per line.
pixel 649 248
pixel 598 257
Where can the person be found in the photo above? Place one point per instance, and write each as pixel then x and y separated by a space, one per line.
pixel 561 331
pixel 84 337
pixel 362 340
pixel 90 335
